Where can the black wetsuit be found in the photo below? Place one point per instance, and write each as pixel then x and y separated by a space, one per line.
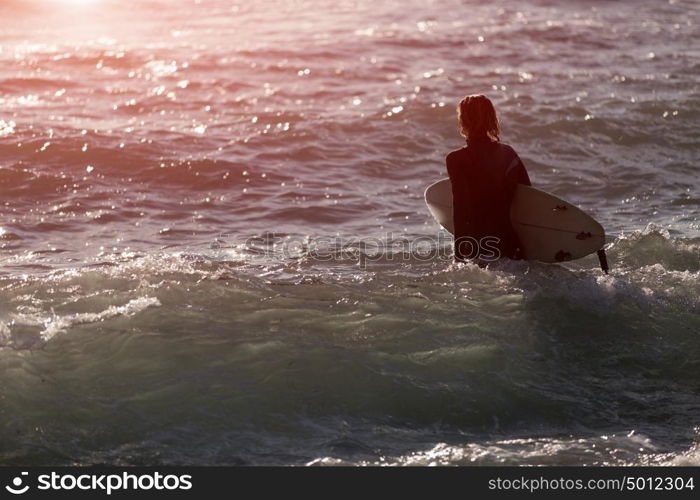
pixel 484 175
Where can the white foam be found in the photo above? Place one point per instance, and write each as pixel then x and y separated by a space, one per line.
pixel 615 449
pixel 4 333
pixel 690 458
pixel 58 324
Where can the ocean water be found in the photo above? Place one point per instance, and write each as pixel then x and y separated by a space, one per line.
pixel 214 247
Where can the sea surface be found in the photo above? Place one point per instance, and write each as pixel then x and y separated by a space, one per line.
pixel 214 247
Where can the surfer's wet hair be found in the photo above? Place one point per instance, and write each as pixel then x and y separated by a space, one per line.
pixel 477 118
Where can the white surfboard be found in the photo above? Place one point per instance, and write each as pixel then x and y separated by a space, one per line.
pixel 550 229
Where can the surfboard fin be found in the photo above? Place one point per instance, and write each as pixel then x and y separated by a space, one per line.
pixel 603 260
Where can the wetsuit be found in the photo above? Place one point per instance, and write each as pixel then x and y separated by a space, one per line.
pixel 484 175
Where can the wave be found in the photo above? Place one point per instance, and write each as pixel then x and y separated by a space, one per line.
pixel 650 271
pixel 24 85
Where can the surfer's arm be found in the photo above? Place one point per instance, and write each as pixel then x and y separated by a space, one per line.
pixel 518 173
pixel 515 171
pixel 523 177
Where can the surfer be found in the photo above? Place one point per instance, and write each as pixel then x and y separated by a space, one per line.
pixel 484 175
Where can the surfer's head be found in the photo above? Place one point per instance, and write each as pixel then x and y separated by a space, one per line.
pixel 477 118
